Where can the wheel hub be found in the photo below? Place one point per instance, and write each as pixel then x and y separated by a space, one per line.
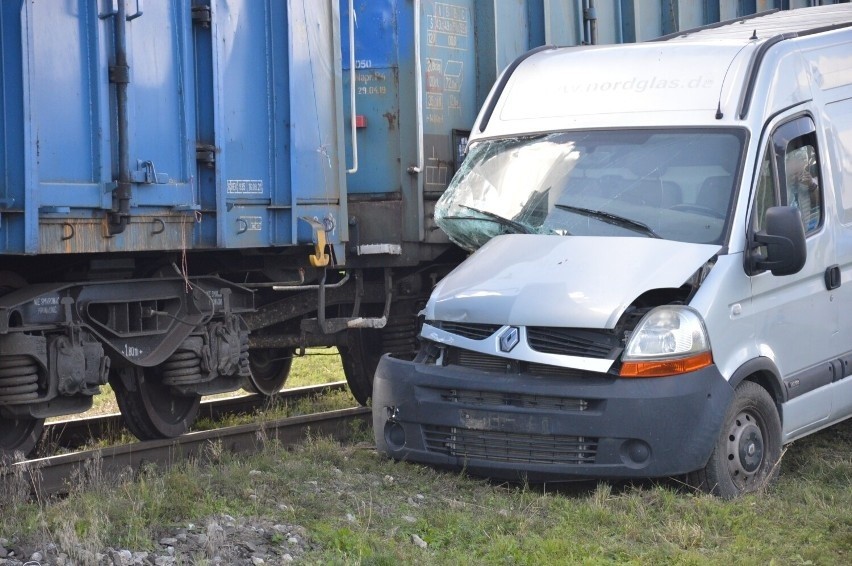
pixel 751 450
pixel 745 449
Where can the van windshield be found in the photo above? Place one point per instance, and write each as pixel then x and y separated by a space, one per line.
pixel 672 184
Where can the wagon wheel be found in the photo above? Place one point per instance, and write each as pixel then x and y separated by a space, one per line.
pixel 360 358
pixel 151 409
pixel 18 433
pixel 270 368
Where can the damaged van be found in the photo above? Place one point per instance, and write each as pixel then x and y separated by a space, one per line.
pixel 661 282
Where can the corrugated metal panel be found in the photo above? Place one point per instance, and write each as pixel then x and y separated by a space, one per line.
pixel 377 78
pixel 316 120
pixel 65 98
pixel 562 22
pixel 625 21
pixel 230 84
pixel 779 23
pixel 408 145
pixel 252 166
pixel 13 157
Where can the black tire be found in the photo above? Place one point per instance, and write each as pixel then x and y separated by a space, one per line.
pixel 747 452
pixel 270 369
pixel 152 410
pixel 359 359
pixel 19 435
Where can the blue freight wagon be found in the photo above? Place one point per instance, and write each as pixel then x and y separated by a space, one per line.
pixel 192 190
pixel 155 159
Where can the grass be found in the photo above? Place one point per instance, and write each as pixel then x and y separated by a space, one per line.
pixel 319 365
pixel 359 508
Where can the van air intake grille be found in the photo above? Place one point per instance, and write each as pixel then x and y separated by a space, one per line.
pixel 475 360
pixel 495 364
pixel 466 329
pixel 574 342
pixel 521 400
pixel 497 446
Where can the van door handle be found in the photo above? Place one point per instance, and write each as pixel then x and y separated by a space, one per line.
pixel 832 277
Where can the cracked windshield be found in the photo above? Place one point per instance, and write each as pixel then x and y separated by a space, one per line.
pixel 672 184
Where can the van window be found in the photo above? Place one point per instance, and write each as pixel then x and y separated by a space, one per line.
pixel 789 175
pixel 767 191
pixel 801 178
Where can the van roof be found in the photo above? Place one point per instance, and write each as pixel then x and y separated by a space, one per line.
pixel 702 77
pixel 769 24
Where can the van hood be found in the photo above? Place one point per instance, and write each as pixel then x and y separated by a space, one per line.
pixel 570 281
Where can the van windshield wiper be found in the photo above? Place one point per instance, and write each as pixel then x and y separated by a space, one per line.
pixel 516 227
pixel 613 219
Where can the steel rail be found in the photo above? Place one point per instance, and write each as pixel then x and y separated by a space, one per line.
pixel 73 433
pixel 54 475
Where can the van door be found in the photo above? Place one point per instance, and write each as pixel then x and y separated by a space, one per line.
pixel 796 319
pixel 838 148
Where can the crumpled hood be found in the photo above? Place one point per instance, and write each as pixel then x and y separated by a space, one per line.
pixel 571 281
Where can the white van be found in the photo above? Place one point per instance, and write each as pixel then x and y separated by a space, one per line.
pixel 662 281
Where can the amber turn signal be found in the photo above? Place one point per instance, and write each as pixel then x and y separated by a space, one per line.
pixel 665 368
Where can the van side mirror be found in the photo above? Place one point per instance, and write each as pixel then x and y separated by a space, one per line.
pixel 784 238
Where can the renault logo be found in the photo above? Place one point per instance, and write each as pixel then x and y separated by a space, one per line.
pixel 509 339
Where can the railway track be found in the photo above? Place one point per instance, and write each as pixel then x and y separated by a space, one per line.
pixel 52 475
pixel 75 433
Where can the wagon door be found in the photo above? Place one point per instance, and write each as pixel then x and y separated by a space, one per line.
pixel 269 159
pixel 104 103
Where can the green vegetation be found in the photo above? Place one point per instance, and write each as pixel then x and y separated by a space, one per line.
pixel 318 365
pixel 357 507
pixel 330 401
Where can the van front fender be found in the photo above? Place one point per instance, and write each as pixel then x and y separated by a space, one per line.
pixel 765 373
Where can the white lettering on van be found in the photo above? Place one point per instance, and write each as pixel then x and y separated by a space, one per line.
pixel 640 85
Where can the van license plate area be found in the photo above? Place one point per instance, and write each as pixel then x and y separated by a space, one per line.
pixel 504 422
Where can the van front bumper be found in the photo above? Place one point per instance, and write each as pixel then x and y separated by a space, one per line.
pixel 516 426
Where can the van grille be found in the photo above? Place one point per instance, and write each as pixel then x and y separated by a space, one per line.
pixel 574 342
pixel 498 446
pixel 520 400
pixel 495 364
pixel 475 360
pixel 467 329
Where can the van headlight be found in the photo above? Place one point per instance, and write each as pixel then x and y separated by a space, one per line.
pixel 669 340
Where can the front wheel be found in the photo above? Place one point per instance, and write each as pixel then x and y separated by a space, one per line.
pixel 747 451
